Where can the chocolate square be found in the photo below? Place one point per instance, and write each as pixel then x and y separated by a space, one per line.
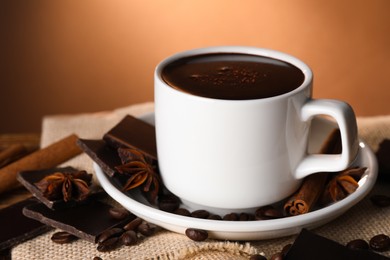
pixel 86 221
pixel 29 178
pixel 16 228
pixel 106 157
pixel 133 133
pixel 311 246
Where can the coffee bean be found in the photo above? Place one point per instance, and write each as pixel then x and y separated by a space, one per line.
pixel 97 258
pixel 168 203
pixel 267 212
pixel 243 217
pixel 214 217
pixel 380 242
pixel 277 256
pixel 201 213
pixel 63 237
pixel 380 200
pixel 113 232
pixel 109 244
pixel 196 234
pixel 146 229
pixel 182 212
pixel 257 257
pixel 133 225
pixel 358 244
pixel 231 217
pixel 118 213
pixel 129 238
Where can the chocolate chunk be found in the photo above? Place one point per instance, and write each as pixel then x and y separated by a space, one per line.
pixel 383 155
pixel 133 133
pixel 86 221
pixel 311 246
pixel 106 157
pixel 29 178
pixel 16 228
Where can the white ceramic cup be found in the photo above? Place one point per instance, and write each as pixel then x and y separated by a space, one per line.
pixel 241 154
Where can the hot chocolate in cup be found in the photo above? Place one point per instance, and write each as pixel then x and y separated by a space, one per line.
pixel 232 126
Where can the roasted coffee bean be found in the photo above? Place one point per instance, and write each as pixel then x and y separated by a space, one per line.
pixel 196 234
pixel 63 237
pixel 109 244
pixel 380 243
pixel 201 213
pixel 113 232
pixel 285 249
pixel 118 213
pixel 257 257
pixel 277 256
pixel 168 203
pixel 214 217
pixel 380 200
pixel 231 217
pixel 246 217
pixel 97 258
pixel 133 225
pixel 182 212
pixel 129 238
pixel 146 229
pixel 358 244
pixel 267 212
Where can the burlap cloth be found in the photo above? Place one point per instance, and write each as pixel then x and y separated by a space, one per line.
pixel 362 221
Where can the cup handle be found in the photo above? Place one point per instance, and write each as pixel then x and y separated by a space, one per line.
pixel 346 120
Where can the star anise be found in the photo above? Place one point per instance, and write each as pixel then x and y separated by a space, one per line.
pixel 65 185
pixel 141 170
pixel 342 184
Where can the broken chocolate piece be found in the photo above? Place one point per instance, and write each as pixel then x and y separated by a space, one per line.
pixel 85 221
pixel 133 133
pixel 383 155
pixel 29 179
pixel 106 157
pixel 311 246
pixel 16 228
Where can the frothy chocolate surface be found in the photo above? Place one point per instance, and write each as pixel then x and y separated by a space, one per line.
pixel 232 76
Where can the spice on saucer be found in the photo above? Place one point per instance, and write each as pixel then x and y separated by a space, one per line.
pixel 312 186
pixel 341 185
pixel 141 171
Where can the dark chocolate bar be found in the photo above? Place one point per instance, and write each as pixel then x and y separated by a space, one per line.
pixel 383 155
pixel 84 221
pixel 16 228
pixel 133 133
pixel 311 246
pixel 106 157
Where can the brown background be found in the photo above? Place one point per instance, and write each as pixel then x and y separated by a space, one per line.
pixel 92 55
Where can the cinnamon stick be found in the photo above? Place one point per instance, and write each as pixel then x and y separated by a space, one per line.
pixel 12 153
pixel 47 157
pixel 312 186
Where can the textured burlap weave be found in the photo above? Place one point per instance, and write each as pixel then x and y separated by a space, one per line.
pixel 362 221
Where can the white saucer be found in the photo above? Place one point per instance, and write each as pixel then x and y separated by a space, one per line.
pixel 249 230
